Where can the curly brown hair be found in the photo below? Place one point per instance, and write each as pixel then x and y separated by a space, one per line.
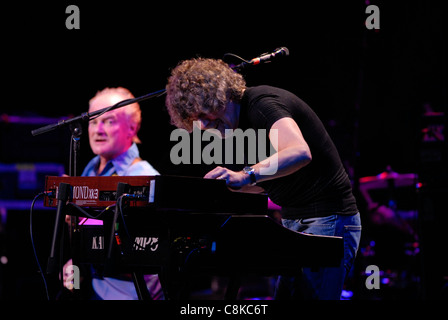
pixel 199 87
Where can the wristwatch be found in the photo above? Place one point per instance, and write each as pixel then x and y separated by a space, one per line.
pixel 251 172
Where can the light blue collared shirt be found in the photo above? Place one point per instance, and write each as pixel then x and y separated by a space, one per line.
pixel 110 288
pixel 121 165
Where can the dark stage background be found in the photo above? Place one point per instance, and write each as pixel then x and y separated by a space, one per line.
pixel 370 87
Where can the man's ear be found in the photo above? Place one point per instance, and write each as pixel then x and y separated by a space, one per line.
pixel 132 129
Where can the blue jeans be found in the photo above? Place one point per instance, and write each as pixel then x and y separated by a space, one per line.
pixel 322 283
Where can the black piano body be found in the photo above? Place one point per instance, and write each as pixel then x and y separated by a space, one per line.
pixel 193 225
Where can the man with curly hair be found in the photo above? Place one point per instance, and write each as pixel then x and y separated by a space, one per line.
pixel 310 183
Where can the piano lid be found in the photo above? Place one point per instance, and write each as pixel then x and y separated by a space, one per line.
pixel 204 195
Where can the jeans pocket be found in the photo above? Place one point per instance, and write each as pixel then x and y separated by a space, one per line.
pixel 352 237
pixel 325 226
pixel 320 221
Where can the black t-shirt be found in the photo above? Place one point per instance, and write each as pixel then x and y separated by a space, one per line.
pixel 322 187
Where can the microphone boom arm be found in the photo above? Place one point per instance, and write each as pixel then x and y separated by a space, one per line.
pixel 87 116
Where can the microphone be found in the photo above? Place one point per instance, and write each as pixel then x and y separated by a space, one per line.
pixel 267 57
pixel 264 58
